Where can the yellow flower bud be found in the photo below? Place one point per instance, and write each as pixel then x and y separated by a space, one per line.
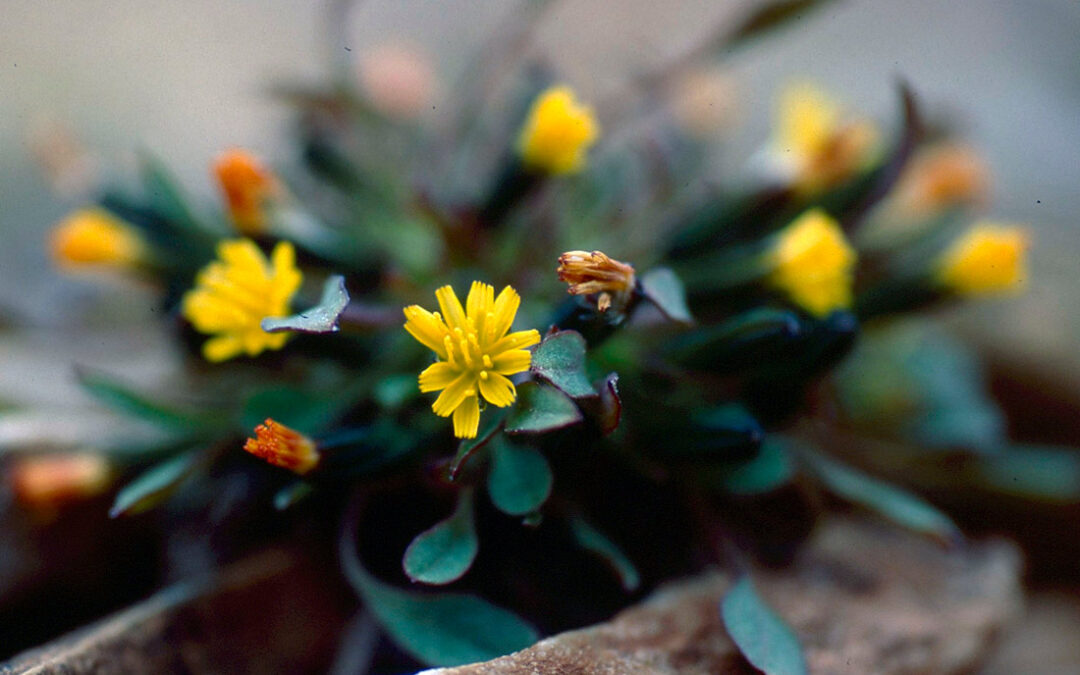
pixel 557 133
pixel 987 259
pixel 95 237
pixel 284 447
pixel 813 263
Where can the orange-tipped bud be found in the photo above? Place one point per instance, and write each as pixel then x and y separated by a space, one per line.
pixel 48 481
pixel 589 273
pixel 284 447
pixel 248 187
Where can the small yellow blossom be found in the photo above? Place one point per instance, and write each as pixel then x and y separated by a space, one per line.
pixel 48 481
pixel 813 263
pixel 248 188
pixel 557 132
pixel 234 294
pixel 475 352
pixel 820 147
pixel 987 259
pixel 95 237
pixel 284 447
pixel 589 273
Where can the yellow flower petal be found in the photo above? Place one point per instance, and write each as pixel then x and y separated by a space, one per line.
pixel 467 418
pixel 223 348
pixel 427 328
pixel 451 308
pixel 497 389
pixel 512 361
pixel 504 310
pixel 439 375
pixel 452 396
pixel 517 340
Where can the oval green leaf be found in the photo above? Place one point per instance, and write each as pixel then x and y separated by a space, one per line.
pixel 520 479
pixel 445 552
pixel 772 468
pixel 595 541
pixel 322 318
pixel 765 639
pixel 560 359
pixel 663 288
pixel 540 409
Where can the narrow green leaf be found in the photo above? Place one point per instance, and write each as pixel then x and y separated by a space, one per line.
pixel 444 552
pixel 899 506
pixel 307 412
pixel 539 409
pixel 663 288
pixel 168 198
pixel 765 639
pixel 322 318
pixel 154 485
pixel 1045 473
pixel 292 494
pixel 560 359
pixel 768 18
pixel 739 343
pixel 119 397
pixel 520 479
pixel 440 629
pixel 595 541
pixel 772 468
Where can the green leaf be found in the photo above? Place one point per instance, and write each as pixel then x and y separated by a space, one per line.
pixel 899 506
pixel 595 541
pixel 168 198
pixel 291 494
pixel 770 17
pixel 470 445
pixel 772 468
pixel 322 318
pixel 155 485
pixel 663 288
pixel 739 343
pixel 119 397
pixel 304 411
pixel 610 404
pixel 520 479
pixel 540 409
pixel 727 430
pixel 560 359
pixel 765 639
pixel 444 552
pixel 440 629
pixel 1046 473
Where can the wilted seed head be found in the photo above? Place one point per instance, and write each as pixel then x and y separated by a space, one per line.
pixel 95 237
pixel 284 447
pixel 589 273
pixel 939 178
pixel 248 188
pixel 557 132
pixel 987 259
pixel 52 480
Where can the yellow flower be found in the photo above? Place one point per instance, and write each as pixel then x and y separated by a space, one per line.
pixel 813 263
pixel 474 350
pixel 248 187
pixel 988 258
pixel 818 145
pixel 96 237
pixel 589 273
pixel 557 133
pixel 284 447
pixel 234 294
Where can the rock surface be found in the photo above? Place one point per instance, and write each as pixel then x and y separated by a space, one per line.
pixel 863 598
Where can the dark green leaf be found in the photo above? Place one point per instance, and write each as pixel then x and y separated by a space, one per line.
pixel 897 505
pixel 444 553
pixel 610 404
pixel 441 629
pixel 119 397
pixel 470 445
pixel 738 343
pixel 770 17
pixel 154 485
pixel 772 468
pixel 663 288
pixel 167 197
pixel 292 494
pixel 765 639
pixel 560 359
pixel 520 479
pixel 593 540
pixel 725 430
pixel 1046 473
pixel 307 412
pixel 322 318
pixel 540 409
